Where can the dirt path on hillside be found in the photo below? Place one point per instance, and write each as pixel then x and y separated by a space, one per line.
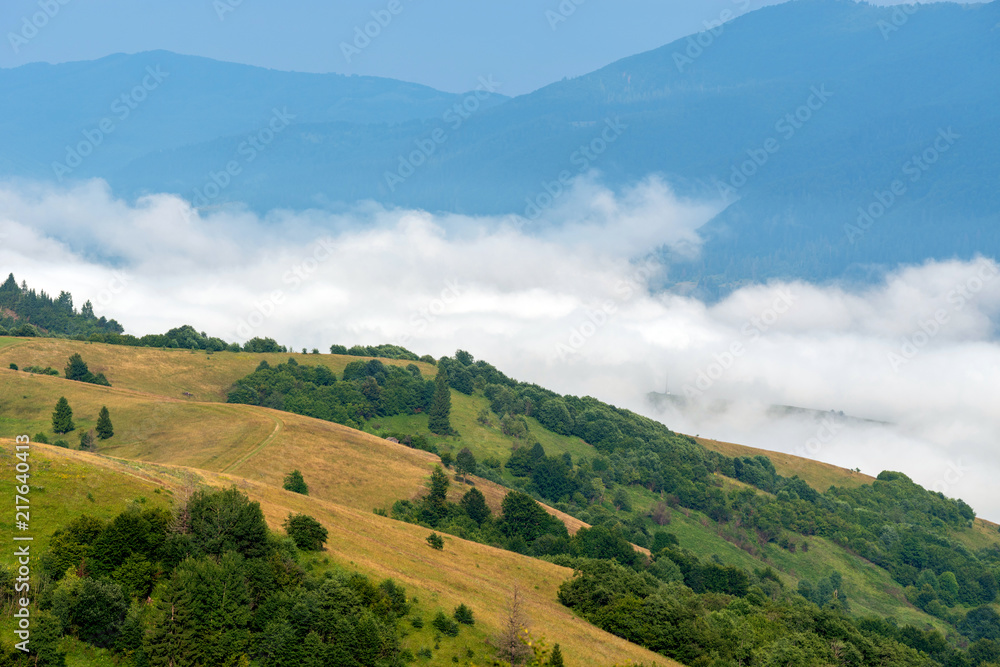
pixel 279 426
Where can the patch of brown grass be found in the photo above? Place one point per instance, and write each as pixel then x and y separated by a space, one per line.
pixel 180 374
pixel 820 476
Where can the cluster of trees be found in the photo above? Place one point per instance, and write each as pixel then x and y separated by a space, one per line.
pixel 186 338
pixel 756 623
pixel 78 371
pixel 700 612
pixel 37 310
pixel 37 370
pixel 384 351
pixel 366 389
pixel 522 526
pixel 208 586
pixel 62 423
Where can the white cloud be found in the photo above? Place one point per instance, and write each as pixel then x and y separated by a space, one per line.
pixel 567 308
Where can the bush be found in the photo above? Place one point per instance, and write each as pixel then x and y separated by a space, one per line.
pixel 295 483
pixel 88 441
pixel 435 541
pixel 42 438
pixel 445 625
pixel 13 366
pixel 308 533
pixel 464 615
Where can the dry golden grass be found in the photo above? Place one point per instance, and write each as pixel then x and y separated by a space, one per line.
pixel 820 476
pixel 339 464
pixel 464 572
pixel 168 373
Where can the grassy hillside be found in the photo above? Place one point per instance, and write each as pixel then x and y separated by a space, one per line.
pixel 182 374
pixel 359 540
pixel 163 434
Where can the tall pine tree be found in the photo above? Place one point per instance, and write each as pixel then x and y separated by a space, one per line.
pixel 439 421
pixel 62 418
pixel 556 660
pixel 435 504
pixel 104 427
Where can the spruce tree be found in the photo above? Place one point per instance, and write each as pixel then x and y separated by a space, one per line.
pixel 104 427
pixel 77 369
pixel 556 659
pixel 439 421
pixel 474 504
pixel 435 505
pixel 62 418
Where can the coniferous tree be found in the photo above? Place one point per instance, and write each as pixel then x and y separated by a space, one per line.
pixel 556 659
pixel 465 462
pixel 77 369
pixel 474 504
pixel 104 427
pixel 464 615
pixel 439 421
pixel 62 418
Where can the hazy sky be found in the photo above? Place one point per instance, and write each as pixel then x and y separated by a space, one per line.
pixel 446 44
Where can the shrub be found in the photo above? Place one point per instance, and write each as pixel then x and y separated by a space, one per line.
pixel 464 615
pixel 308 533
pixel 435 541
pixel 445 625
pixel 296 483
pixel 88 441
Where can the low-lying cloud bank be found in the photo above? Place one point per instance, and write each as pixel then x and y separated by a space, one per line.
pixel 563 302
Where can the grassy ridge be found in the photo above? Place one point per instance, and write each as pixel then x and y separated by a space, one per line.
pixel 466 572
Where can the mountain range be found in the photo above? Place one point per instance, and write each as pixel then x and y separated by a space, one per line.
pixel 841 136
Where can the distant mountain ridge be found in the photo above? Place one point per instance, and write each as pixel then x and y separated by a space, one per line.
pixel 821 186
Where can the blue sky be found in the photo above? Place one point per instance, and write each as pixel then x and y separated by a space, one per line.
pixel 446 44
